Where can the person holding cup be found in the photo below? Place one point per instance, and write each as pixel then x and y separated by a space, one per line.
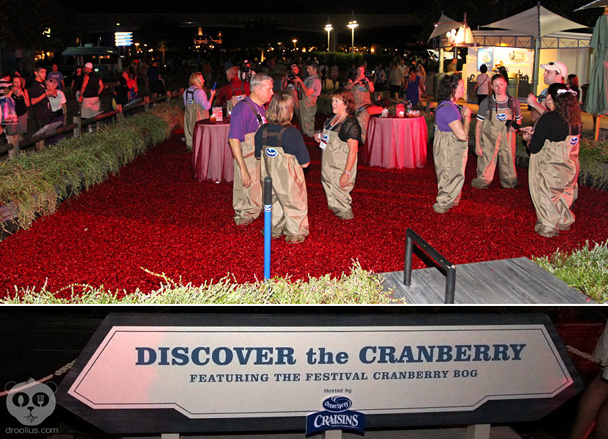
pixel 340 143
pixel 196 105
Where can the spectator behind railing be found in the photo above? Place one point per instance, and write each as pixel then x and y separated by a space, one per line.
pixel 58 107
pixel 76 81
pixel 91 88
pixel 22 103
pixel 39 98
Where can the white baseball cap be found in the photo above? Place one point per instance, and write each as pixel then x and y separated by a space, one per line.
pixel 89 65
pixel 559 67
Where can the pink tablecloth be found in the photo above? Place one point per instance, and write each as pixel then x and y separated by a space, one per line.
pixel 396 142
pixel 211 153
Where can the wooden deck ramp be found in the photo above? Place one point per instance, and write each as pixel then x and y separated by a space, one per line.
pixel 507 281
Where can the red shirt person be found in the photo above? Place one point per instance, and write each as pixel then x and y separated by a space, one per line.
pixel 235 88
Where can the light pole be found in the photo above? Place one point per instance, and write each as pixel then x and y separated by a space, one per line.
pixel 294 41
pixel 352 25
pixel 328 28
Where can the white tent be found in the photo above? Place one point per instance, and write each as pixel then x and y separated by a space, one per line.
pixel 445 24
pixel 536 22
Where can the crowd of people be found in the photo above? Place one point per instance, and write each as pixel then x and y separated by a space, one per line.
pixel 553 144
pixel 246 95
pixel 266 136
pixel 38 104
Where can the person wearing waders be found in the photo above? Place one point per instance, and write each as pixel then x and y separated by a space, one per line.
pixel 247 117
pixel 196 106
pixel 340 142
pixel 281 148
pixel 450 145
pixel 311 90
pixel 362 89
pixel 498 120
pixel 554 165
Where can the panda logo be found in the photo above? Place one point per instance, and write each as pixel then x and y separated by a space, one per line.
pixel 31 405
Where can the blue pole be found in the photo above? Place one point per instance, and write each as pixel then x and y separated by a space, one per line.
pixel 267 224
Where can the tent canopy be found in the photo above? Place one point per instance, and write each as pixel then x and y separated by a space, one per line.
pixel 528 22
pixel 445 24
pixel 594 4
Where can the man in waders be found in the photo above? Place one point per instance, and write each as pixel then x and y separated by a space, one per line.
pixel 362 89
pixel 311 90
pixel 247 116
pixel 292 88
pixel 498 118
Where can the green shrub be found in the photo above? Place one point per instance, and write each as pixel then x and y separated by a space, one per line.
pixel 585 269
pixel 358 287
pixel 37 182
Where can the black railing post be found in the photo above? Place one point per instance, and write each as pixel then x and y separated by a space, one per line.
pixel 412 237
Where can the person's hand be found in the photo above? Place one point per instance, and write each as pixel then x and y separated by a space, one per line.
pixel 212 95
pixel 531 100
pixel 246 178
pixel 526 133
pixel 343 180
pixel 466 112
pixel 478 151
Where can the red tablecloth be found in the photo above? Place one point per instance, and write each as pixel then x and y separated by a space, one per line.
pixel 396 142
pixel 211 153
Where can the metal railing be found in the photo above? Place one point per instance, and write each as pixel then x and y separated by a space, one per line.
pixel 76 128
pixel 446 267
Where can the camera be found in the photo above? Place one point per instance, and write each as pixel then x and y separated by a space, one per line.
pixel 291 76
pixel 512 124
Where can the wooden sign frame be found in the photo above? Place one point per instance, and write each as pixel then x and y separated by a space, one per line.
pixel 148 421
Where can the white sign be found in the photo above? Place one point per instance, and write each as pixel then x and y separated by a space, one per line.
pixel 123 39
pixel 235 372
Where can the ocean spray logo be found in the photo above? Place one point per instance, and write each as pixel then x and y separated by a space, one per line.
pixel 501 117
pixel 574 141
pixel 271 152
pixel 336 416
pixel 337 404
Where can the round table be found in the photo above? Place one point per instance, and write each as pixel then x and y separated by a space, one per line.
pixel 211 153
pixel 396 142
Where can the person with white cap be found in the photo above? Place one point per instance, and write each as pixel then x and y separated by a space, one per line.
pixel 555 72
pixel 91 88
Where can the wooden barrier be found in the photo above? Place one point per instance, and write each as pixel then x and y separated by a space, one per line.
pixel 89 125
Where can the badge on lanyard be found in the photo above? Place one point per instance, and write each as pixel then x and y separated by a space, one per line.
pixel 324 140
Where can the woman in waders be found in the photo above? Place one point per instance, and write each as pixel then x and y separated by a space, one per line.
pixel 554 166
pixel 498 119
pixel 281 148
pixel 196 105
pixel 450 145
pixel 340 143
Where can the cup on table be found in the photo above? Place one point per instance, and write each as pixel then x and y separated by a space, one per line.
pixel 318 136
pixel 212 118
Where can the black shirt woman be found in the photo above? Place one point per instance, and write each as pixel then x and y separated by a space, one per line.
pixel 340 142
pixel 554 166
